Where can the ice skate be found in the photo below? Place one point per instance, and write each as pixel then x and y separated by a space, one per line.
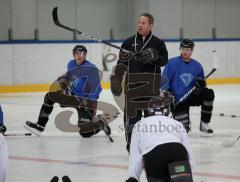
pixel 34 128
pixel 206 131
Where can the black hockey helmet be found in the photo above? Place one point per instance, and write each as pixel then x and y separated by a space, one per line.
pixel 162 103
pixel 187 43
pixel 79 48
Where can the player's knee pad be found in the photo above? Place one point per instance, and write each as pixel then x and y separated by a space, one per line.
pixel 180 171
pixel 85 115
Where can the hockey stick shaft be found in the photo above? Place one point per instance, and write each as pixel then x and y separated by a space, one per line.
pixel 18 134
pixel 210 73
pixel 192 89
pixel 91 37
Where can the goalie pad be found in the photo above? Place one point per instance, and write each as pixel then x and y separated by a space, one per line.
pixel 180 171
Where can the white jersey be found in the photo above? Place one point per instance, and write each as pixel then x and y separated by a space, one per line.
pixel 151 132
pixel 3 158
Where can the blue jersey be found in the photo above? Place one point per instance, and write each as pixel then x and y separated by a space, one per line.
pixel 181 76
pixel 85 79
pixel 1 116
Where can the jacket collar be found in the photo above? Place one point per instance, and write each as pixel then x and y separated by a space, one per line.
pixel 139 36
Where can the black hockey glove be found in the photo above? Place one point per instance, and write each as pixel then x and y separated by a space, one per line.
pixel 3 129
pixel 147 56
pixel 64 82
pixel 131 180
pixel 66 179
pixel 125 56
pixel 200 83
pixel 54 179
pixel 65 85
pixel 116 86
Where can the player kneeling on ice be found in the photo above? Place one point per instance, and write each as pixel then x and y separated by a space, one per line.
pixel 183 74
pixel 80 88
pixel 160 145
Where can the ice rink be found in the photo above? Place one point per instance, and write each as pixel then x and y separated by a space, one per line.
pixel 57 153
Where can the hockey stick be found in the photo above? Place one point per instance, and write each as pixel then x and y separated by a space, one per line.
pixel 192 89
pixel 108 134
pixel 230 143
pixel 18 134
pixel 110 138
pixel 91 37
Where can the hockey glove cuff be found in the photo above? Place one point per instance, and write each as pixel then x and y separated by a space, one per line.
pixel 116 86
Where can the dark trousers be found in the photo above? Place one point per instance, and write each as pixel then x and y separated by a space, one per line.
pixel 133 113
pixel 156 161
pixel 129 123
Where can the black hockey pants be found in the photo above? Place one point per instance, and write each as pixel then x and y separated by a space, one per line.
pixel 200 97
pixel 54 97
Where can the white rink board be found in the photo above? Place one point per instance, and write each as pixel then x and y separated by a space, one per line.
pixel 43 63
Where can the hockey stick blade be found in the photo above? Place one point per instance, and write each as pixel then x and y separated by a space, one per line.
pixel 230 143
pixel 57 22
pixel 55 16
pixel 110 138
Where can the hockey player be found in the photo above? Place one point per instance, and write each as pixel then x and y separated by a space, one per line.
pixel 160 146
pixel 80 89
pixel 3 128
pixel 3 158
pixel 142 72
pixel 182 73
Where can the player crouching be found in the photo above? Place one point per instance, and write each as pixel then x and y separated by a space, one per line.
pixel 160 145
pixel 80 88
